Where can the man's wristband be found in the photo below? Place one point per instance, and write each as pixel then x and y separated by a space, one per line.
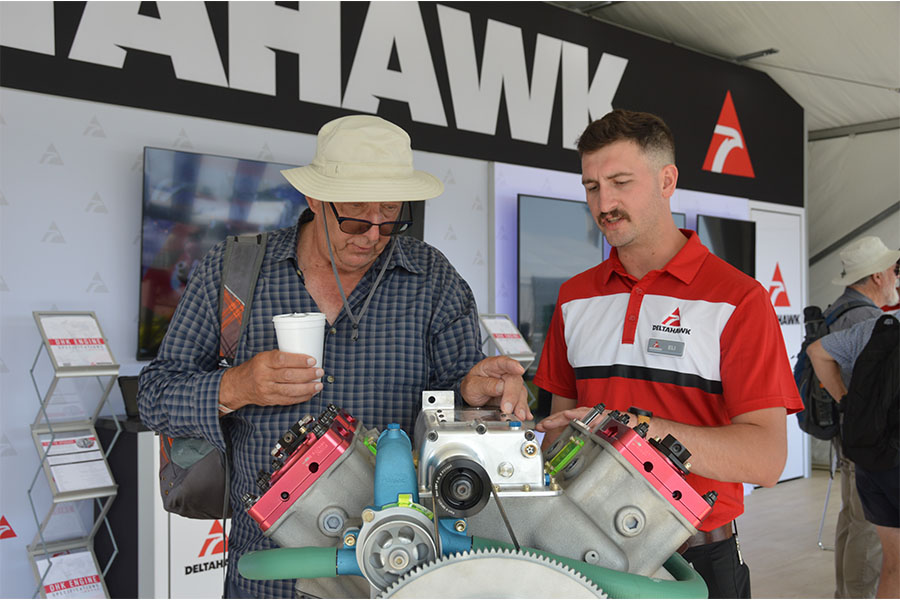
pixel 224 409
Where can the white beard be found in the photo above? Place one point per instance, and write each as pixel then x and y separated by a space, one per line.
pixel 893 298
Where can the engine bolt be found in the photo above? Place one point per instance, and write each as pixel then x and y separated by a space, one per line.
pixel 526 487
pixel 530 449
pixel 349 540
pixel 460 526
pixel 505 469
pixel 368 515
pixel 399 559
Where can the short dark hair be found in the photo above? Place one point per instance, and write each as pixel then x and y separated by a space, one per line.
pixel 649 132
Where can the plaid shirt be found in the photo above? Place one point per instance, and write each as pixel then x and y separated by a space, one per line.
pixel 419 332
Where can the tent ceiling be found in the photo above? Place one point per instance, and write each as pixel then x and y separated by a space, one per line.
pixel 839 60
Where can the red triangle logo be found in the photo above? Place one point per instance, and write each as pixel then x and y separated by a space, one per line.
pixel 216 542
pixel 777 291
pixel 673 320
pixel 727 151
pixel 6 530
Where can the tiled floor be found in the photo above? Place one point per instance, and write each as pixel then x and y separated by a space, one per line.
pixel 778 533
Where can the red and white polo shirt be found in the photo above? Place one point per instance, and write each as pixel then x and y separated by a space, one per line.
pixel 697 342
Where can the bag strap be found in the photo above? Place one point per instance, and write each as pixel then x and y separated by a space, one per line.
pixel 240 272
pixel 838 312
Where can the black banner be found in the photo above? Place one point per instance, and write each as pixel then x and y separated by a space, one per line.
pixel 494 81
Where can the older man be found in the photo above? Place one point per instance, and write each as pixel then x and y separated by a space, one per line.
pixel 400 320
pixel 868 274
pixel 877 488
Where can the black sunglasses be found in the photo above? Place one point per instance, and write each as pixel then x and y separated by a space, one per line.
pixel 353 226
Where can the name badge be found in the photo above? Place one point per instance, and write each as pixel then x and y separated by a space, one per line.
pixel 667 347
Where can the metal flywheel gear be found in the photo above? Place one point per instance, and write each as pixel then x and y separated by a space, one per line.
pixel 493 574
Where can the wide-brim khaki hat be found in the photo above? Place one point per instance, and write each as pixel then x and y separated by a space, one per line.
pixel 863 257
pixel 362 158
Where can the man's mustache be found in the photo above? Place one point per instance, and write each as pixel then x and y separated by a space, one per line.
pixel 613 214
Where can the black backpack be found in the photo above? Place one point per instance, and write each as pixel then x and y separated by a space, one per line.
pixel 194 477
pixel 871 408
pixel 819 417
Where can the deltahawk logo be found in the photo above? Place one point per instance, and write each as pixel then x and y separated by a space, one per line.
pixel 727 151
pixel 673 320
pixel 777 291
pixel 6 530
pixel 215 543
pixel 672 323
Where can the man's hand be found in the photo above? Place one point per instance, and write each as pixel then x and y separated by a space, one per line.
pixel 497 380
pixel 270 378
pixel 554 425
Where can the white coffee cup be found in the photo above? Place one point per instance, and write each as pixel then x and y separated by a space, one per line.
pixel 301 333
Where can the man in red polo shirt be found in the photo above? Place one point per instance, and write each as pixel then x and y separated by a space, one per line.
pixel 666 326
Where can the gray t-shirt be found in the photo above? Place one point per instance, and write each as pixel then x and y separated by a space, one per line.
pixel 851 318
pixel 845 346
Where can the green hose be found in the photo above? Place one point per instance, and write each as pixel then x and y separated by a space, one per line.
pixel 289 563
pixel 617 584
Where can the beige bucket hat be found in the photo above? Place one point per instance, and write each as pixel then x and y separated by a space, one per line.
pixel 362 158
pixel 863 257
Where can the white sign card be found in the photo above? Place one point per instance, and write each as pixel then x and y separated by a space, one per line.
pixel 71 574
pixel 505 335
pixel 75 460
pixel 75 340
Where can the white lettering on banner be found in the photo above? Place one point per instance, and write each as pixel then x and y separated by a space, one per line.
pixel 582 104
pixel 257 29
pixel 389 25
pixel 108 30
pixel 182 32
pixel 28 26
pixel 476 100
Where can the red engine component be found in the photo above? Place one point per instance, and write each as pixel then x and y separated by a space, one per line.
pixel 663 473
pixel 313 449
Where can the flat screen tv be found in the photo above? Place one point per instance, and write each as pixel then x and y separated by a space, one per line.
pixel 732 240
pixel 191 202
pixel 557 239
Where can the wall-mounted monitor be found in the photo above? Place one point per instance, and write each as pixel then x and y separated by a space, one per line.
pixel 732 240
pixel 191 202
pixel 557 239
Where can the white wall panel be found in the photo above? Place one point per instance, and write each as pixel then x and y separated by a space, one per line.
pixel 70 223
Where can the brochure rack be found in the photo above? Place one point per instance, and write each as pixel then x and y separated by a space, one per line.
pixel 78 484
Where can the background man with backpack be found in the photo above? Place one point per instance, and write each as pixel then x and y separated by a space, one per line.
pixel 868 274
pixel 870 424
